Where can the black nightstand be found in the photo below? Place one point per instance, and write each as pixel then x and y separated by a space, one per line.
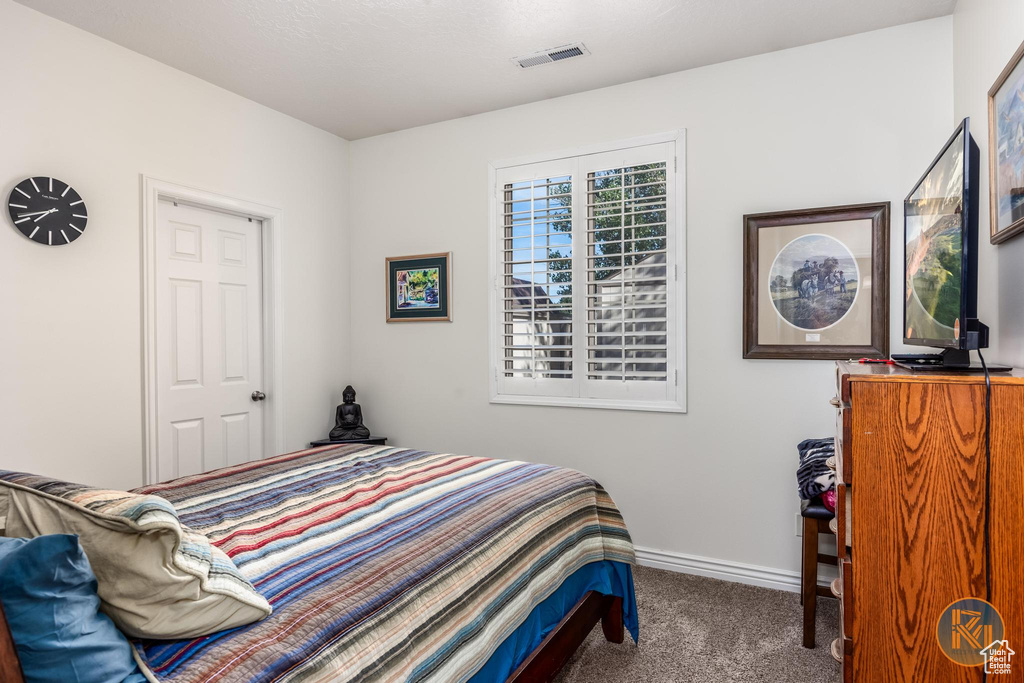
pixel 373 441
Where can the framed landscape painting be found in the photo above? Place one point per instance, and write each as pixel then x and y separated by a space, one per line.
pixel 419 287
pixel 1006 151
pixel 816 283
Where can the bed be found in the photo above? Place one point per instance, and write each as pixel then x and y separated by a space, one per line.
pixel 386 564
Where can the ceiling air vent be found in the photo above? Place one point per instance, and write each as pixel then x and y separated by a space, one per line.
pixel 555 54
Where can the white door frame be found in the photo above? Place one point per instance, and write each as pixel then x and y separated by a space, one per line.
pixel 153 190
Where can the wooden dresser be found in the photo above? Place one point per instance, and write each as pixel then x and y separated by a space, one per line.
pixel 911 473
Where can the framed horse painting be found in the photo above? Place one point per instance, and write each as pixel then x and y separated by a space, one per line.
pixel 816 283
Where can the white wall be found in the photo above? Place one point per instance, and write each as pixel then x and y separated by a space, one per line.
pixel 97 115
pixel 850 120
pixel 986 33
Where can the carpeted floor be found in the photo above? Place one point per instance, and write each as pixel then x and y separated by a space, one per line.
pixel 705 630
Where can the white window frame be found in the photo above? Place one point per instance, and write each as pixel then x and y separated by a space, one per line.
pixel 676 261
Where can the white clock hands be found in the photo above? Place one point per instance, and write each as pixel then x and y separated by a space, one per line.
pixel 41 215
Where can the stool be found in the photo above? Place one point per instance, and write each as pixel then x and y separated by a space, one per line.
pixel 816 519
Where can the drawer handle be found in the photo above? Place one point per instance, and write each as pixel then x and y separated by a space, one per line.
pixel 833 525
pixel 831 463
pixel 836 588
pixel 837 650
pixel 834 401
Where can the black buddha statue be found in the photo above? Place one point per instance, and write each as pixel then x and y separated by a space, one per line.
pixel 348 419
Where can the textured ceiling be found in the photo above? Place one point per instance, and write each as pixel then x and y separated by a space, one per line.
pixel 364 67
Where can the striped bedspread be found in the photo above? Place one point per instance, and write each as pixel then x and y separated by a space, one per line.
pixel 384 563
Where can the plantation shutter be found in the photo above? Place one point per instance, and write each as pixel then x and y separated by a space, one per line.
pixel 629 316
pixel 536 280
pixel 587 301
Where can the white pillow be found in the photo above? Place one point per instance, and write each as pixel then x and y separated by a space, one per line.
pixel 157 578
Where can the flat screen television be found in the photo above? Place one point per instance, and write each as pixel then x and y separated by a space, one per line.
pixel 940 229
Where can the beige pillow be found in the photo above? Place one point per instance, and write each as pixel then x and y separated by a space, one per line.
pixel 157 578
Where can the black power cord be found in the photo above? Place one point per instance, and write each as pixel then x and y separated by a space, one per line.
pixel 988 479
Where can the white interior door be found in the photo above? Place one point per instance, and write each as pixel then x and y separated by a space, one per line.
pixel 209 354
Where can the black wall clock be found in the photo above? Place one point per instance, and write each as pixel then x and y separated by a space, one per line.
pixel 47 210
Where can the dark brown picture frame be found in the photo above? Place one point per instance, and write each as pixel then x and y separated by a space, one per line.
pixel 878 214
pixel 997 236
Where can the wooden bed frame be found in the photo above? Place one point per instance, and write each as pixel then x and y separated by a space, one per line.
pixel 541 666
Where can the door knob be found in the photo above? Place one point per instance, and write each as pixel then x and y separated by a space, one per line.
pixel 258 395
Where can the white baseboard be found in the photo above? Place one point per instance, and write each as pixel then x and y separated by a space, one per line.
pixel 726 570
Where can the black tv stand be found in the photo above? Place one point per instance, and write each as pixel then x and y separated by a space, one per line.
pixel 955 358
pixel 950 360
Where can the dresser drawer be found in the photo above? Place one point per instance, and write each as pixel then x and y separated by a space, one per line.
pixel 842 384
pixel 846 595
pixel 844 425
pixel 842 588
pixel 842 523
pixel 846 619
pixel 845 646
pixel 842 649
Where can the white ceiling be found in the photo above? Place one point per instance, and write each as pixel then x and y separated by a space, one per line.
pixel 363 67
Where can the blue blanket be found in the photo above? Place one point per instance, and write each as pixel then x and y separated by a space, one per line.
pixel 609 578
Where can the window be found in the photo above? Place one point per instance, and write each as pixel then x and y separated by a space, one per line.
pixel 588 304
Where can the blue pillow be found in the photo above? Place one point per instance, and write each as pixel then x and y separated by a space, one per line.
pixel 49 597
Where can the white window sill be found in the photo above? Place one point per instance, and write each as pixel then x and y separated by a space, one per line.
pixel 602 403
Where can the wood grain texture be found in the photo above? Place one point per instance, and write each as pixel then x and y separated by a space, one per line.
pixel 10 667
pixel 918 514
pixel 846 581
pixel 809 578
pixel 842 521
pixel 853 373
pixel 844 437
pixel 843 381
pixel 1006 517
pixel 611 622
